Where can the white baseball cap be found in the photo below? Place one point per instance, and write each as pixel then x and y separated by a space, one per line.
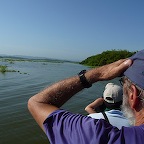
pixel 113 93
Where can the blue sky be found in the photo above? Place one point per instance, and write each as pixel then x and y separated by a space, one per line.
pixel 70 29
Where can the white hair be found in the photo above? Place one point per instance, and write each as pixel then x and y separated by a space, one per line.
pixel 128 112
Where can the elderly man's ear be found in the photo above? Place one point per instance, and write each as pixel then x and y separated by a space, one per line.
pixel 134 100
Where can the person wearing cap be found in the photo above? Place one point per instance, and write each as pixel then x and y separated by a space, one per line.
pixel 64 127
pixel 109 106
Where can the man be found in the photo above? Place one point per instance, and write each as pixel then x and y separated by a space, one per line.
pixel 63 127
pixel 108 107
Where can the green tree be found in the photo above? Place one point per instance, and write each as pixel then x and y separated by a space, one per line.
pixel 106 57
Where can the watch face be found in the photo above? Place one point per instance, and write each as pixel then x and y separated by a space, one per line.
pixel 82 72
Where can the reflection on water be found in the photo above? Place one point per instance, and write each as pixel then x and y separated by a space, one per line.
pixel 16 124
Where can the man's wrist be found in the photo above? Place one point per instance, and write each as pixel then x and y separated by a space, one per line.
pixel 83 80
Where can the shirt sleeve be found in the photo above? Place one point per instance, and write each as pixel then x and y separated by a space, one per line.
pixel 63 127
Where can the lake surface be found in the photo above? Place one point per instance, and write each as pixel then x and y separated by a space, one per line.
pixel 16 124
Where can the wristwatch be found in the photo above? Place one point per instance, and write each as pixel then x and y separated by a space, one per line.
pixel 83 79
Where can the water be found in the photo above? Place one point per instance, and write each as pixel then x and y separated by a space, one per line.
pixel 16 124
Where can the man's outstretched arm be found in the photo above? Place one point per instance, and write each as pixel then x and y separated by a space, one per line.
pixel 91 107
pixel 52 98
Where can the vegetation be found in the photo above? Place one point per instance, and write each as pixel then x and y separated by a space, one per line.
pixel 12 59
pixel 106 57
pixel 3 69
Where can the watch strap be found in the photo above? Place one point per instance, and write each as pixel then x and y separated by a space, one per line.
pixel 83 79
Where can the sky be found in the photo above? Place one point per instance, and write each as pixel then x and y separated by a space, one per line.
pixel 70 29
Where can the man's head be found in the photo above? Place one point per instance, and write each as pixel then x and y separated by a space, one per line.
pixel 133 87
pixel 136 71
pixel 113 96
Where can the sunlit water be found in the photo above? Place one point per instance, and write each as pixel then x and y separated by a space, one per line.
pixel 16 124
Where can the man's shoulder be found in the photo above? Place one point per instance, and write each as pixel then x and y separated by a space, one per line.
pixel 96 115
pixel 113 111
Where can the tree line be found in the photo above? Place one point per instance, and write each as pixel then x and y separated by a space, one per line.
pixel 106 57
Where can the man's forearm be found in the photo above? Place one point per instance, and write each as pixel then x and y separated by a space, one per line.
pixel 58 93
